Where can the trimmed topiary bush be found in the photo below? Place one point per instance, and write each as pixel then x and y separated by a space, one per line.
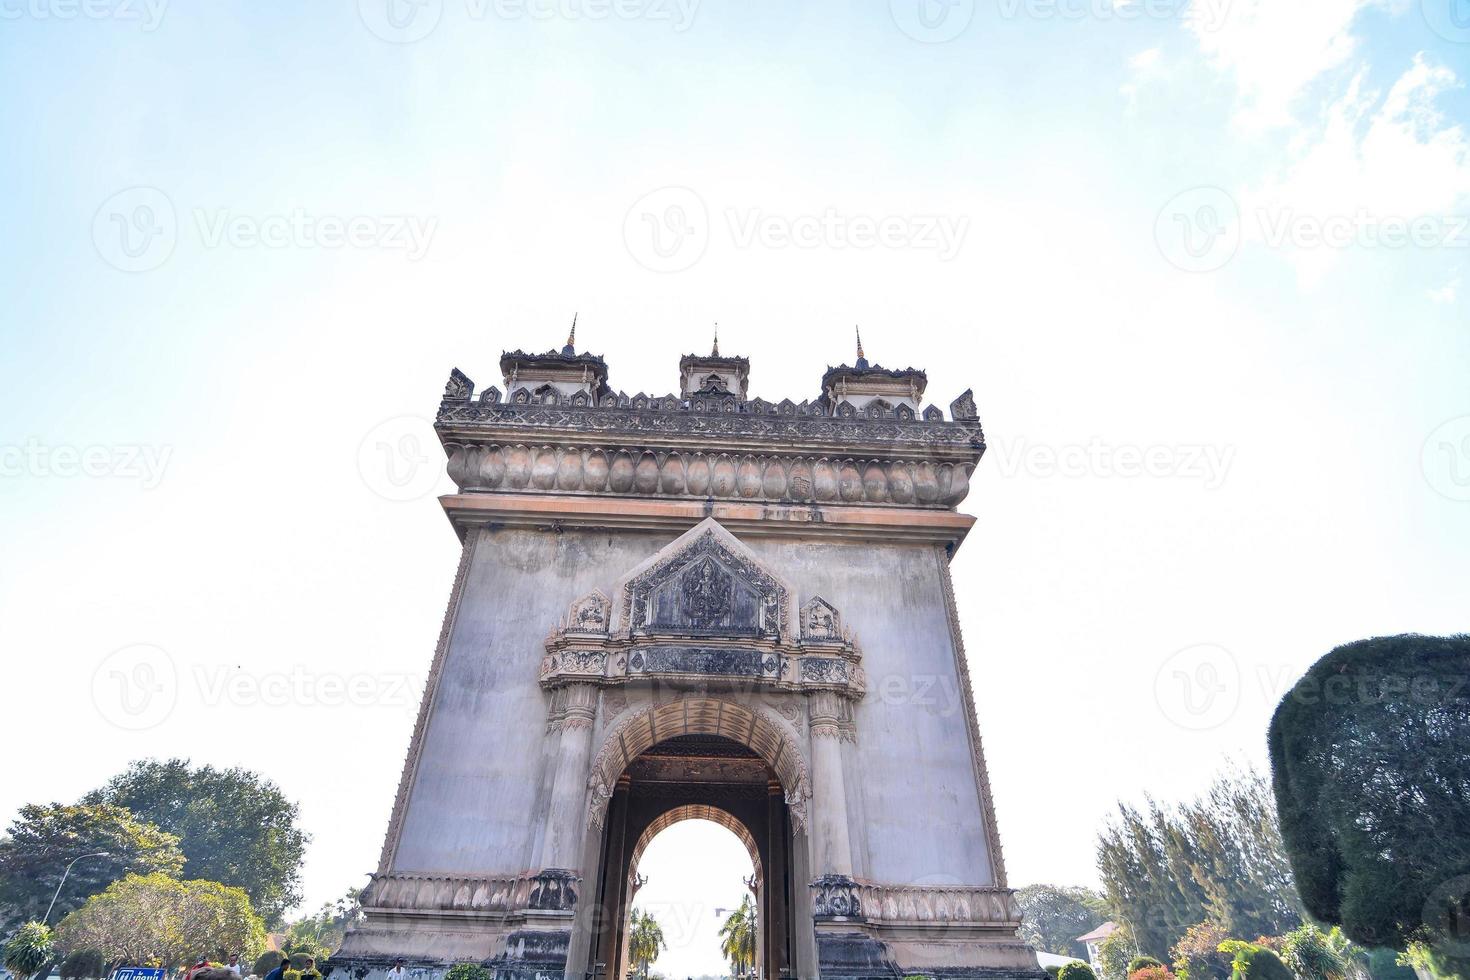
pixel 1139 962
pixel 82 964
pixel 266 962
pixel 1371 725
pixel 1252 962
pixel 1076 971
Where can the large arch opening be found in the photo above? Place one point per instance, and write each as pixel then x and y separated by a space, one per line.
pixel 693 868
pixel 697 760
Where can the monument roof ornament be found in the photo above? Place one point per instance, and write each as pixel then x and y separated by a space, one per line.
pixel 869 438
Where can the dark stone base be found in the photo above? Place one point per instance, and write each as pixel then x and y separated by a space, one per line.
pixel 533 955
pixel 976 973
pixel 854 956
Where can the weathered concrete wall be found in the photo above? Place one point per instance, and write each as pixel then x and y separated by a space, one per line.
pixel 911 784
pixel 480 796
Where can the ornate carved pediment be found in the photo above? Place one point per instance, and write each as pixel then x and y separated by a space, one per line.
pixel 590 614
pixel 820 620
pixel 705 583
pixel 703 609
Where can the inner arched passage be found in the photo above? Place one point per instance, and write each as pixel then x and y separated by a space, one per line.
pixel 698 811
pixel 751 726
pixel 668 774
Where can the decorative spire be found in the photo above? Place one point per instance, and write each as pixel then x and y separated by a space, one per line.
pixel 716 351
pixel 570 350
pixel 862 362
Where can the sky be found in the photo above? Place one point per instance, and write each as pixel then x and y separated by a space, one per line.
pixel 1203 263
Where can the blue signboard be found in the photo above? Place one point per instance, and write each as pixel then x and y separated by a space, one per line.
pixel 138 973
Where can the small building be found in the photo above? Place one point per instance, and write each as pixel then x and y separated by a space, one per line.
pixel 1093 941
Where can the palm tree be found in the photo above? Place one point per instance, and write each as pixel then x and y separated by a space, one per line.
pixel 645 941
pixel 737 937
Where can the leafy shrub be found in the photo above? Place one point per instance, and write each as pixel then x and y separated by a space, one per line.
pixel 266 962
pixel 1309 955
pixel 1384 964
pixel 29 950
pixel 1197 954
pixel 82 964
pixel 467 971
pixel 1250 961
pixel 1076 971
pixel 1051 971
pixel 1139 962
pixel 1160 972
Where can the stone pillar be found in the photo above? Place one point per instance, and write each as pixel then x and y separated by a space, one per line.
pixel 564 823
pixel 609 913
pixel 778 844
pixel 829 787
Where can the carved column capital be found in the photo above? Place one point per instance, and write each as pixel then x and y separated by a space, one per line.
pixel 825 714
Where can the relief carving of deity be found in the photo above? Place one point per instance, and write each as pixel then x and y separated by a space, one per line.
pixel 706 593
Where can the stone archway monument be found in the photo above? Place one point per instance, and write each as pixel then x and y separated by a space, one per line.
pixel 707 606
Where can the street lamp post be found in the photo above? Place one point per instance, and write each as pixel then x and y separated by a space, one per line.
pixel 54 897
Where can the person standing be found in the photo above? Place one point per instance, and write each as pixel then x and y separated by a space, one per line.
pixel 234 965
pixel 279 973
pixel 397 972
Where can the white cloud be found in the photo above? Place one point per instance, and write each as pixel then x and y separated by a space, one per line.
pixel 1447 293
pixel 1275 49
pixel 1145 67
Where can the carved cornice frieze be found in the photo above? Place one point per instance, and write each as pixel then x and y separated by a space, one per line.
pixel 609 662
pixel 712 416
pixel 549 890
pixel 943 904
pixel 491 467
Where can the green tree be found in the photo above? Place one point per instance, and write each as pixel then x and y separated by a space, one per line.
pixel 1218 857
pixel 1115 953
pixel 645 941
pixel 1053 916
pixel 737 937
pixel 1373 781
pixel 235 826
pixel 145 918
pixel 1076 970
pixel 43 840
pixel 323 932
pixel 29 950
